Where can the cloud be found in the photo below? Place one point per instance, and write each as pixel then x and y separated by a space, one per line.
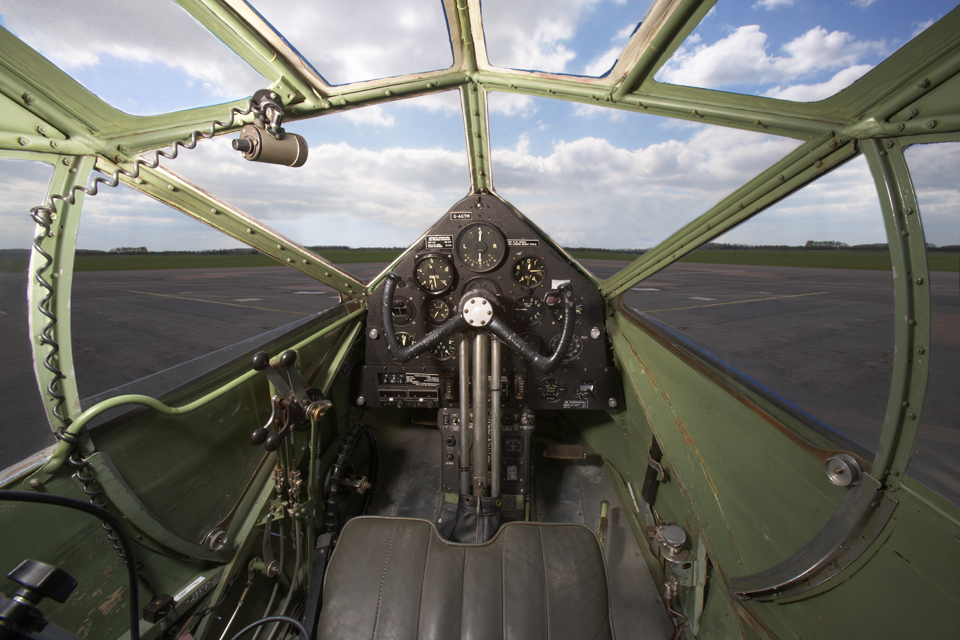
pixel 522 35
pixel 742 58
pixel 354 41
pixel 920 27
pixel 813 92
pixel 589 192
pixel 933 171
pixel 771 4
pixel 594 111
pixel 143 33
pixel 372 115
pixel 605 61
pixel 862 4
pixel 511 104
pixel 23 186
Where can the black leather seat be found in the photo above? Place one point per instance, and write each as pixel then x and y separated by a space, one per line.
pixel 397 578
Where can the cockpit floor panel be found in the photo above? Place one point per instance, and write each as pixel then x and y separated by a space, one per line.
pixel 408 485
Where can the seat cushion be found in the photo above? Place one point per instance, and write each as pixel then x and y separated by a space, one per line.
pixel 397 578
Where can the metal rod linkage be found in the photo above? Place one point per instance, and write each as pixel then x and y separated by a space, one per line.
pixel 495 417
pixel 465 438
pixel 481 344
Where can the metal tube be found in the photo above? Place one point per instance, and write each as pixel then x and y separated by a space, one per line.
pixel 465 439
pixel 495 417
pixel 480 347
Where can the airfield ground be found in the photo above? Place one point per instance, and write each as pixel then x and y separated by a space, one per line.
pixel 821 338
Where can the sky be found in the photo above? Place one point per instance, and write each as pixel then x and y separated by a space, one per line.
pixel 379 176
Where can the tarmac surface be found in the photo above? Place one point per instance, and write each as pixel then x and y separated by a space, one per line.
pixel 821 338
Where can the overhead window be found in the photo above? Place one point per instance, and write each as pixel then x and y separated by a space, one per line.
pixel 568 36
pixel 609 184
pixel 936 460
pixel 24 429
pixel 800 51
pixel 798 299
pixel 143 58
pixel 355 41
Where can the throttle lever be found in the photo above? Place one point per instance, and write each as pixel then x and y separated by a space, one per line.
pixel 288 360
pixel 261 362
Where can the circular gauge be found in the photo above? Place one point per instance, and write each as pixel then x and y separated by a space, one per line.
pixel 482 283
pixel 481 247
pixel 434 274
pixel 551 389
pixel 402 311
pixel 444 349
pixel 529 271
pixel 573 351
pixel 405 339
pixel 555 303
pixel 438 311
pixel 533 340
pixel 528 311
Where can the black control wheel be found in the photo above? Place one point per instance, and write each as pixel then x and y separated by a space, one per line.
pixel 476 310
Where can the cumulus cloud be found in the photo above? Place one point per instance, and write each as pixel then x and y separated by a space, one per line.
pixel 23 185
pixel 145 32
pixel 522 35
pixel 920 27
pixel 862 4
pixel 742 58
pixel 372 115
pixel 605 61
pixel 511 104
pixel 933 168
pixel 771 4
pixel 589 192
pixel 812 92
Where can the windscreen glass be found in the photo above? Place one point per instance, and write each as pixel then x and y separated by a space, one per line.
pixel 576 37
pixel 143 57
pixel 799 300
pixel 374 180
pixel 936 460
pixel 159 299
pixel 608 184
pixel 24 429
pixel 795 49
pixel 355 41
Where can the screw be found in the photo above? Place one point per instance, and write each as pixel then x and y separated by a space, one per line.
pixel 904 233
pixel 35 483
pixel 22 141
pixel 818 164
pixel 923 84
pixel 66 162
pixel 27 98
pixel 780 178
pixel 54 144
pixel 930 124
pixel 388 93
pixel 249 230
pixel 919 280
pixel 901 127
pixel 911 322
pixel 911 416
pixel 170 187
pixel 921 350
pixel 756 123
pixel 890 144
pixel 908 211
pixel 833 144
pixel 914 112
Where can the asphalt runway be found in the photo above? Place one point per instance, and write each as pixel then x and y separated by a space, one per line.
pixel 821 338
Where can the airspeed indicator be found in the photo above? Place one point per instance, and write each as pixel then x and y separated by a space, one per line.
pixel 434 274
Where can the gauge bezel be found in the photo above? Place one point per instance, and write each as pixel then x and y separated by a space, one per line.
pixel 576 344
pixel 561 388
pixel 528 256
pixel 442 258
pixel 542 310
pixel 447 340
pixel 430 302
pixel 413 338
pixel 498 232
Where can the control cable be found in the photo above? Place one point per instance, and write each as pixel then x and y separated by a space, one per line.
pixel 109 519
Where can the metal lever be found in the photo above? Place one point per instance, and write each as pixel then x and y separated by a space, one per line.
pixel 293 407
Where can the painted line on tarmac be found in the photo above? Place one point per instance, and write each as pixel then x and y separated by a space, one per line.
pixel 229 304
pixel 797 295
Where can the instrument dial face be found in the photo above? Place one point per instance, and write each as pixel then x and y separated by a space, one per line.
pixel 530 271
pixel 555 303
pixel 445 349
pixel 481 247
pixel 551 389
pixel 434 274
pixel 528 311
pixel 573 351
pixel 438 311
pixel 405 339
pixel 533 340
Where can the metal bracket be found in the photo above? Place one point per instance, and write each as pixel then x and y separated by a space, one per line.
pixel 857 522
pixel 656 466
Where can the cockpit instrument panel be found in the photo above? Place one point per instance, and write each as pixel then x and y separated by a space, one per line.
pixel 482 243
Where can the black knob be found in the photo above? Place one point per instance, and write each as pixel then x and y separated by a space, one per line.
pixel 273 442
pixel 450 456
pixel 260 361
pixel 243 145
pixel 258 436
pixel 288 359
pixel 451 441
pixel 41 580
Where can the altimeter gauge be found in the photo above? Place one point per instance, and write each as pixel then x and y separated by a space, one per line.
pixel 434 274
pixel 529 271
pixel 481 247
